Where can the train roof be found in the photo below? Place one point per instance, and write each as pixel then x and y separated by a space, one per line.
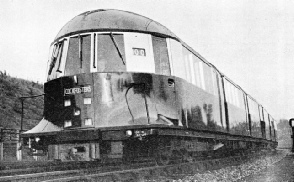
pixel 119 21
pixel 114 20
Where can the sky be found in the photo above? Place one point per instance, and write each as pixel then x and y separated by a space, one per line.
pixel 251 42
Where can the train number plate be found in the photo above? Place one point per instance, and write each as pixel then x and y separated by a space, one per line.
pixel 139 52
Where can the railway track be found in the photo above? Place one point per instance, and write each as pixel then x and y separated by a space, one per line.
pixel 124 172
pixel 37 167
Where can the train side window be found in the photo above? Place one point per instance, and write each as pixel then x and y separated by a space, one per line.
pixel 253 109
pixel 198 74
pixel 227 91
pixel 186 55
pixel 214 81
pixel 261 113
pixel 161 58
pixel 208 78
pixel 176 53
pixel 238 98
pixel 192 69
pixel 255 119
pixel 266 119
pixel 111 53
pixel 233 95
pixel 242 99
pixel 201 72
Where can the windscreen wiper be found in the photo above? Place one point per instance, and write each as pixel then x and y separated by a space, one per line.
pixel 117 48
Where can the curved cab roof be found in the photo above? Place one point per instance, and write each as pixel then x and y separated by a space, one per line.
pixel 114 20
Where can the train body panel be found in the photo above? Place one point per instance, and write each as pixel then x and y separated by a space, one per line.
pixel 110 99
pixel 121 85
pixel 200 110
pixel 118 99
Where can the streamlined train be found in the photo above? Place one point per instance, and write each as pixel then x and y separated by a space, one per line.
pixel 121 86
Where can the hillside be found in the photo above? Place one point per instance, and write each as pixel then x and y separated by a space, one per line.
pixel 10 105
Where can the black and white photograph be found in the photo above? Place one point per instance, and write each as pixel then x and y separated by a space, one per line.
pixel 147 91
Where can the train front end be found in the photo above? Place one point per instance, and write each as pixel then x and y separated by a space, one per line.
pixel 108 89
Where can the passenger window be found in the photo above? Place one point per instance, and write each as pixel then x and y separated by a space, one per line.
pixel 214 81
pixel 201 72
pixel 234 95
pixel 255 120
pixel 162 65
pixel 228 92
pixel 111 53
pixel 198 75
pixel 208 78
pixel 187 64
pixel 178 65
pixel 192 69
pixel 253 109
pixel 197 72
